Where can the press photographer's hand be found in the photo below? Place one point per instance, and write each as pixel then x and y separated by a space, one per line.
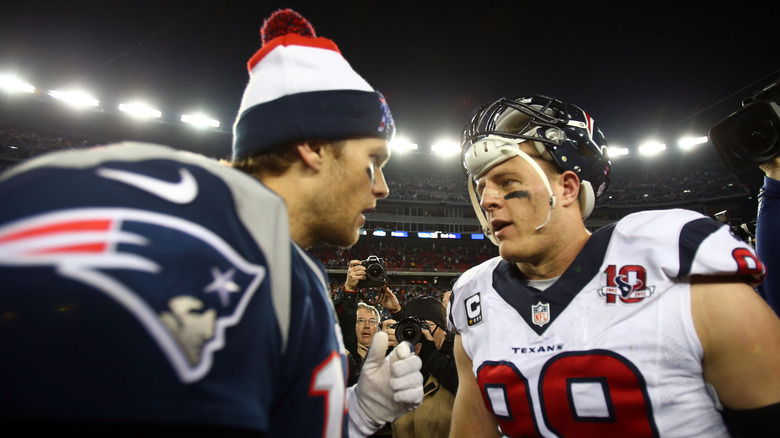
pixel 390 301
pixel 355 273
pixel 388 326
pixel 772 168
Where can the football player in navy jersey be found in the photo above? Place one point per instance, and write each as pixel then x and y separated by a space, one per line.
pixel 649 327
pixel 767 237
pixel 154 292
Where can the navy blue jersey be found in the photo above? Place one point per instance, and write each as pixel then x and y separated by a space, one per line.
pixel 143 285
pixel 768 239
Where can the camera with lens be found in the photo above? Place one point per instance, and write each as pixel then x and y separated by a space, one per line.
pixel 410 329
pixel 376 272
pixel 750 136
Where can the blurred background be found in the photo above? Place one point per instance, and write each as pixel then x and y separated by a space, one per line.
pixel 656 78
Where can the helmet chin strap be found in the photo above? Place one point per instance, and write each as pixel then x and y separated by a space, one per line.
pixel 546 182
pixel 480 213
pixel 511 148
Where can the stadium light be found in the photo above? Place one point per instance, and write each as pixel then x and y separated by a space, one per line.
pixel 688 143
pixel 74 98
pixel 400 144
pixel 199 120
pixel 446 147
pixel 13 84
pixel 652 148
pixel 616 151
pixel 140 110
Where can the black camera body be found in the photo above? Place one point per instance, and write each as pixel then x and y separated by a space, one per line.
pixel 410 329
pixel 750 136
pixel 376 272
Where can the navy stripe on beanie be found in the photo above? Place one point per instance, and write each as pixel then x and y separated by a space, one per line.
pixel 333 114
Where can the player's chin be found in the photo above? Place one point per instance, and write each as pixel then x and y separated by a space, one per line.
pixel 352 238
pixel 352 232
pixel 509 251
pixel 344 237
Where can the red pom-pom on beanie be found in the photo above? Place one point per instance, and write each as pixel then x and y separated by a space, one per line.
pixel 284 22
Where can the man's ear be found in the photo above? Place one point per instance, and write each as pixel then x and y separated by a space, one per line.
pixel 571 187
pixel 311 155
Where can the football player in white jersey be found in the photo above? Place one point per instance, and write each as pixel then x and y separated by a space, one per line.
pixel 647 327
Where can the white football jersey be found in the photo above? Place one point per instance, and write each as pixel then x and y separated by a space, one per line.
pixel 610 348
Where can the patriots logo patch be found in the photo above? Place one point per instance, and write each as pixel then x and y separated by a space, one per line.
pixel 386 125
pixel 183 283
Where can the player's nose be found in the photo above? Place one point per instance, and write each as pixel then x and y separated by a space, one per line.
pixel 490 199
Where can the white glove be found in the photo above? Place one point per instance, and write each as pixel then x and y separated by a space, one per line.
pixel 389 386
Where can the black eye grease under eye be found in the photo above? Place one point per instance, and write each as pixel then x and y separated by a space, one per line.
pixel 370 172
pixel 518 194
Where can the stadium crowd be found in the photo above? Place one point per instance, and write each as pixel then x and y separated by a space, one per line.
pixel 624 190
pixel 403 256
pixel 404 290
pixel 432 257
pixel 19 142
pixel 668 187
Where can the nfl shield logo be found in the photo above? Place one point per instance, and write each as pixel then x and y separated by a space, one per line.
pixel 540 313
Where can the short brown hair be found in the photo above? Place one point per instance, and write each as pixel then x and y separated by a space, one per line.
pixel 277 160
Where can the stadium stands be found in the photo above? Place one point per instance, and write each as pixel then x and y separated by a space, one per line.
pixel 428 194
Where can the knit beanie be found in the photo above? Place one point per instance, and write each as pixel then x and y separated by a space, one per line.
pixel 301 88
pixel 426 308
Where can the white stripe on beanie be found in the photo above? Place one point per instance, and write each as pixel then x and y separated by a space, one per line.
pixel 296 64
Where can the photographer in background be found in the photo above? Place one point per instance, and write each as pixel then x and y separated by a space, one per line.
pixel 357 278
pixel 365 328
pixel 747 139
pixel 423 324
pixel 367 324
pixel 346 304
pixel 767 235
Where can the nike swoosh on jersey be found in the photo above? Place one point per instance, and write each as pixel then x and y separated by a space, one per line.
pixel 181 192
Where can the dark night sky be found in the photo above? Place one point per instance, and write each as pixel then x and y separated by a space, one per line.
pixel 639 70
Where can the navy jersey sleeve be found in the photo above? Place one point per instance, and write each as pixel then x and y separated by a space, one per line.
pixel 141 285
pixel 768 241
pixel 315 363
